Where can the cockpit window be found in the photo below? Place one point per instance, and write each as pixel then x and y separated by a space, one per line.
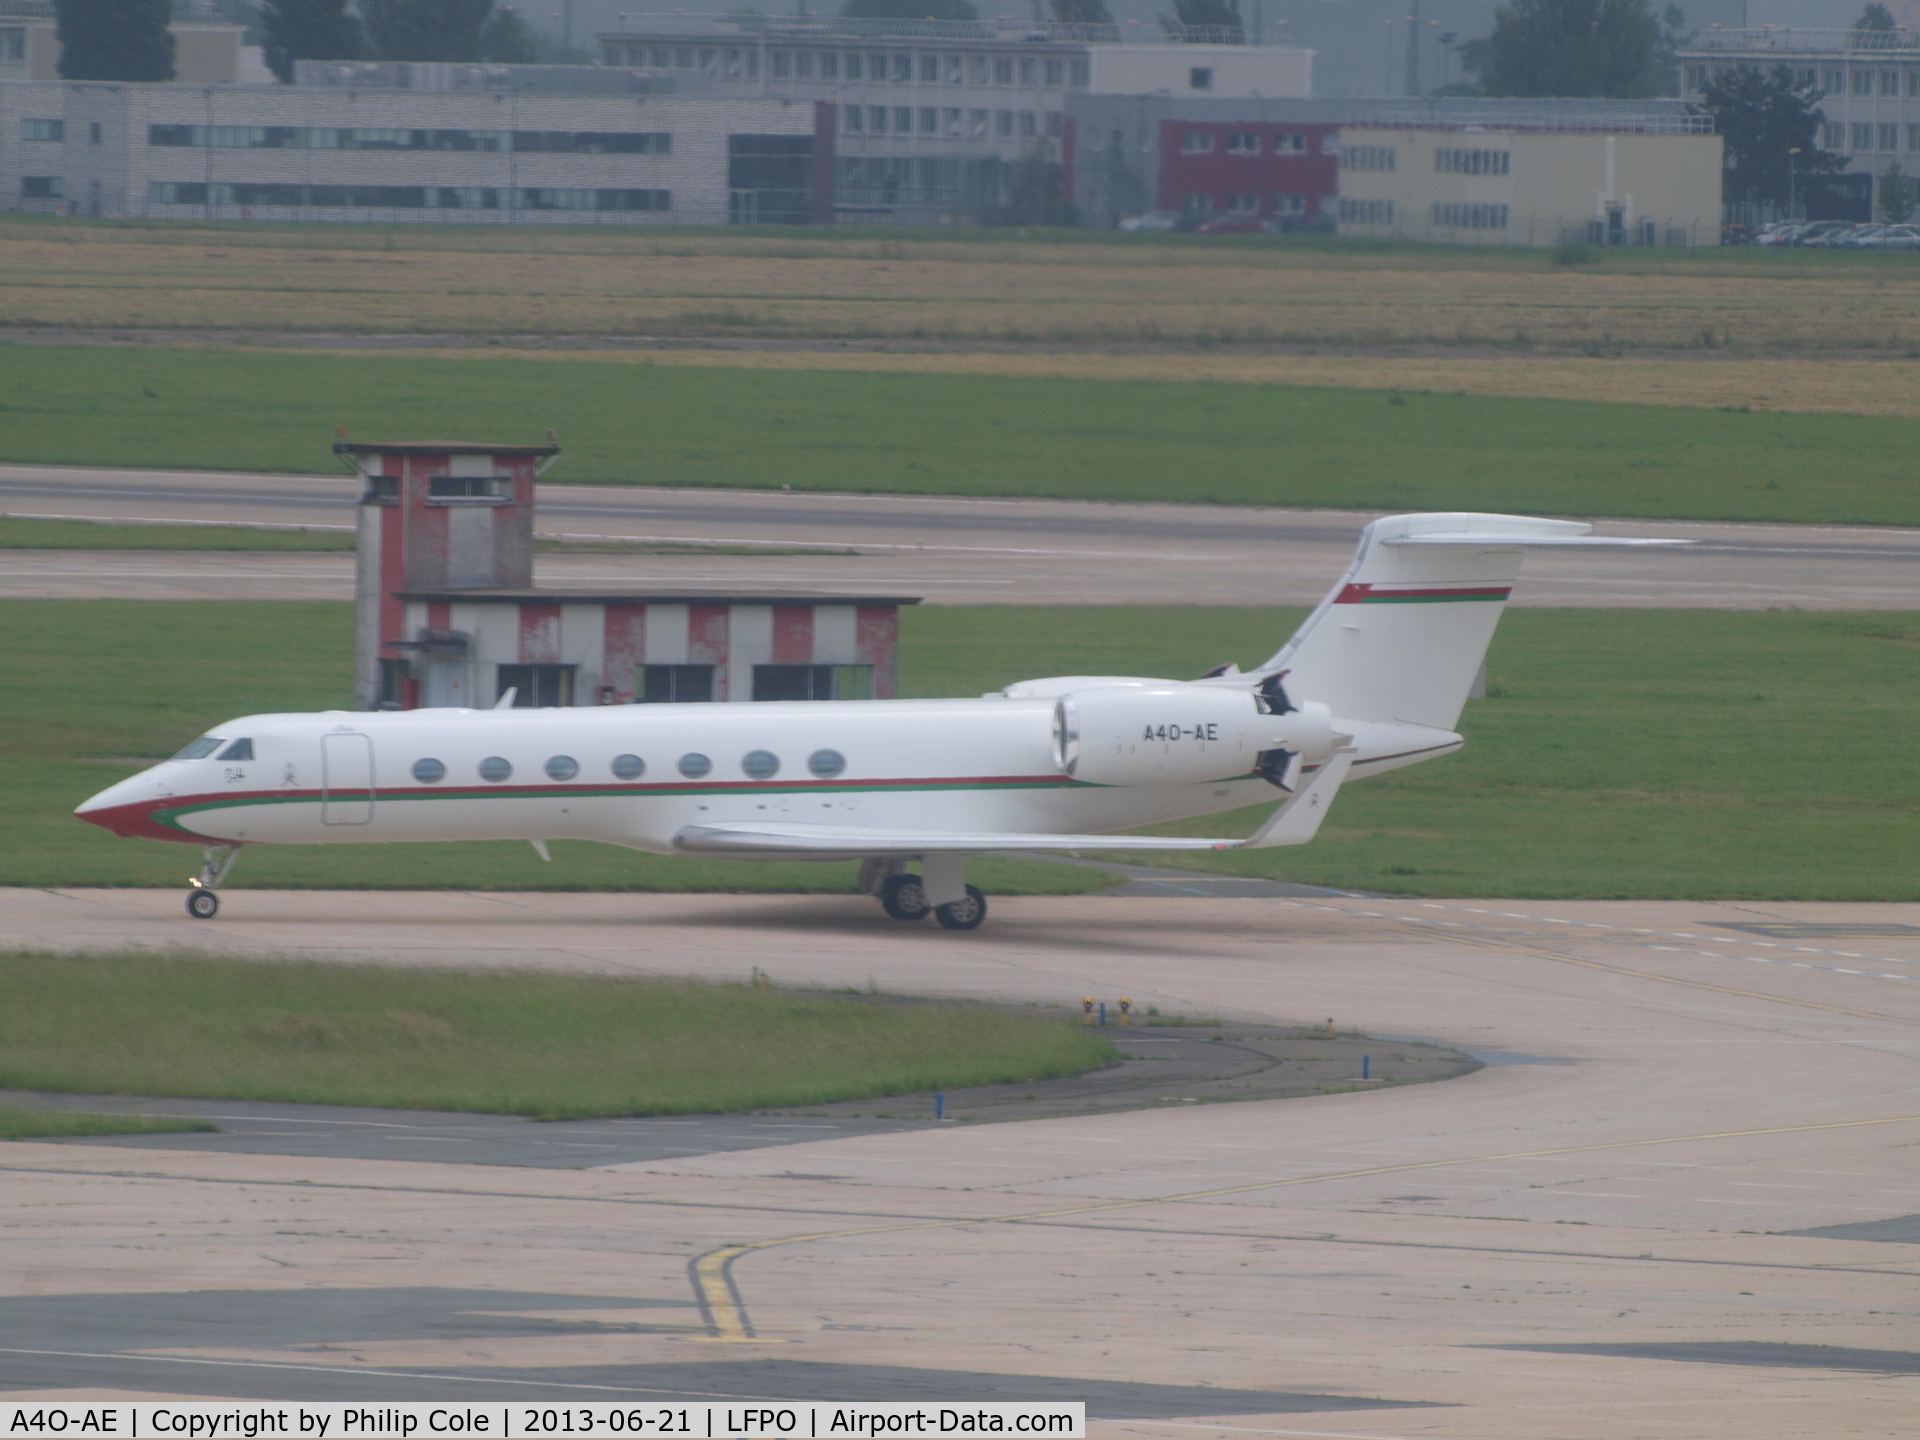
pixel 239 750
pixel 201 748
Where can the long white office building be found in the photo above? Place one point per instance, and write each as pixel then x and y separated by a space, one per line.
pixel 385 153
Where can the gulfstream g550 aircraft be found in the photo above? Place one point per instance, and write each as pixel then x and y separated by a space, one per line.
pixel 1374 680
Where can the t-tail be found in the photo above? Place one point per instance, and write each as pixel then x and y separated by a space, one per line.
pixel 1403 634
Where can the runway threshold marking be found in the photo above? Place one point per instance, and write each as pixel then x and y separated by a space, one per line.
pixel 725 1310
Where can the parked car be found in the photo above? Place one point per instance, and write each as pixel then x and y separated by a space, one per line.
pixel 1894 237
pixel 1780 232
pixel 1819 232
pixel 1153 220
pixel 1855 238
pixel 1231 225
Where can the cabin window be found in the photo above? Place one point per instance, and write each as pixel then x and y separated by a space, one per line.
pixel 628 767
pixel 562 767
pixel 238 750
pixel 496 769
pixel 201 748
pixel 826 764
pixel 813 682
pixel 760 764
pixel 672 684
pixel 693 765
pixel 536 687
pixel 429 771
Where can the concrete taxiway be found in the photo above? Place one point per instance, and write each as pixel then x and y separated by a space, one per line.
pixel 949 550
pixel 1678 1202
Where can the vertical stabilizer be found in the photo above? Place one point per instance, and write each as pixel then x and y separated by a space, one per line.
pixel 1402 635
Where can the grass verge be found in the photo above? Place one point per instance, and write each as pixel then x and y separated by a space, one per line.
pixel 552 1047
pixel 1625 753
pixel 1207 442
pixel 18 1123
pixel 24 533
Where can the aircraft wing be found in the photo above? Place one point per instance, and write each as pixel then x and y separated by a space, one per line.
pixel 1294 823
pixel 769 838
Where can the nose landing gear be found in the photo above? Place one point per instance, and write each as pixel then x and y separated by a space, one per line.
pixel 216 861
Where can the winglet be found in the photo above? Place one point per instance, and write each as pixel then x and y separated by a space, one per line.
pixel 505 702
pixel 1298 821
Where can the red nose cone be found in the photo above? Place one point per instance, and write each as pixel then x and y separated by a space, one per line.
pixel 134 822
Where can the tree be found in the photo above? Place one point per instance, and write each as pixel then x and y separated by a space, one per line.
pixel 1035 194
pixel 1896 195
pixel 425 29
pixel 1217 22
pixel 309 30
pixel 506 40
pixel 1875 17
pixel 1568 48
pixel 1674 37
pixel 114 39
pixel 909 10
pixel 1763 118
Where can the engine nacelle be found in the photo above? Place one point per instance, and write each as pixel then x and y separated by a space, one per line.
pixel 1180 735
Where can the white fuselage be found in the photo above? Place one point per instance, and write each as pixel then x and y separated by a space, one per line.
pixel 985 765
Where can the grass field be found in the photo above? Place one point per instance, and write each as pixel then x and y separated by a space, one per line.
pixel 17 533
pixel 946 434
pixel 1644 753
pixel 1064 288
pixel 17 1123
pixel 554 1047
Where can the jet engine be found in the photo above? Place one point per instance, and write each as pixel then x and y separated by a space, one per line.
pixel 1183 735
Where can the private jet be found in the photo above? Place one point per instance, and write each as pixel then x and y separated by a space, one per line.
pixel 1374 680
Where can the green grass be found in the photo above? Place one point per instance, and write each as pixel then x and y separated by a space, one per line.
pixel 1646 754
pixel 1639 753
pixel 550 1046
pixel 972 435
pixel 17 533
pixel 20 1124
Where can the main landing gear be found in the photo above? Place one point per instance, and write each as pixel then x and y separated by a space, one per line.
pixel 202 903
pixel 906 896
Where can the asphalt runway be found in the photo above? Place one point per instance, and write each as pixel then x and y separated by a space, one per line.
pixel 948 550
pixel 1687 1208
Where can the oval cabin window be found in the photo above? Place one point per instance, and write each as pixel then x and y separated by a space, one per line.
pixel 760 764
pixel 429 771
pixel 562 767
pixel 694 765
pixel 628 767
pixel 826 764
pixel 494 768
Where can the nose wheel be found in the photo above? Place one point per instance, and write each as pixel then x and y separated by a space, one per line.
pixel 216 861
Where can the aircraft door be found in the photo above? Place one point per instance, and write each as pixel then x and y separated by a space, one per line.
pixel 346 779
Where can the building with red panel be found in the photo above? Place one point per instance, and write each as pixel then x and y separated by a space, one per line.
pixel 1273 161
pixel 448 614
pixel 1249 168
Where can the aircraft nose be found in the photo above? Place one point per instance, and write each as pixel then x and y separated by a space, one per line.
pixel 126 809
